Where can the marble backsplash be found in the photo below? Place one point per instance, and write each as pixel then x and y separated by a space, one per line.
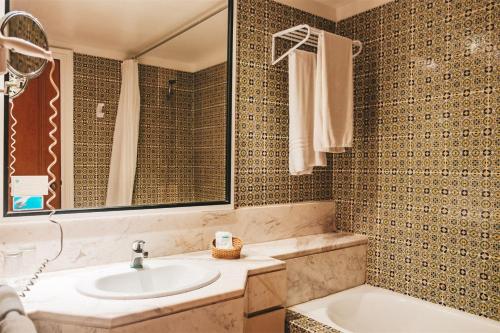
pixel 95 240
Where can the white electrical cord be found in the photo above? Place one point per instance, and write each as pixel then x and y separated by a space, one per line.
pixel 54 139
pixel 12 141
pixel 52 176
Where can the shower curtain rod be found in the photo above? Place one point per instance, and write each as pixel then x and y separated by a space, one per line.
pixel 210 14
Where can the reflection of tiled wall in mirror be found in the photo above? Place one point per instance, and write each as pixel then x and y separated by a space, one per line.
pixel 166 155
pixel 165 151
pixel 210 133
pixel 96 80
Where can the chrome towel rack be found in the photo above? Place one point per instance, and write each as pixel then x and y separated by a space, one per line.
pixel 303 34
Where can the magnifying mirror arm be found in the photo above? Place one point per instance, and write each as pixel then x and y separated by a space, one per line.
pixel 20 46
pixel 24 47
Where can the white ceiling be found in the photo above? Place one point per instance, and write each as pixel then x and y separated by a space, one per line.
pixel 119 29
pixel 200 47
pixel 335 10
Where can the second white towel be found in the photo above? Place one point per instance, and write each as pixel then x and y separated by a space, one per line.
pixel 302 156
pixel 333 114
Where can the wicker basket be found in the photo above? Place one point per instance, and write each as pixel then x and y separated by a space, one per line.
pixel 233 253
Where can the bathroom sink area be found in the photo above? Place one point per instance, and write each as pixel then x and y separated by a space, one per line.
pixel 158 278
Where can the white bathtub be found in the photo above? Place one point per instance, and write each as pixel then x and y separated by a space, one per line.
pixel 370 309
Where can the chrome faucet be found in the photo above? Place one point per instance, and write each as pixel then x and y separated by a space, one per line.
pixel 138 254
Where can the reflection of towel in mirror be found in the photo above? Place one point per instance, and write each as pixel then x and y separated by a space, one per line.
pixel 12 316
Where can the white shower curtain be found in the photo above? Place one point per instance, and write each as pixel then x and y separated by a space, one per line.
pixel 124 153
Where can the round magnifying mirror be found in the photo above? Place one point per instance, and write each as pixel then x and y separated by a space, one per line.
pixel 25 26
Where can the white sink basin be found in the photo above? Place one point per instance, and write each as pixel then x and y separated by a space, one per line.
pixel 158 278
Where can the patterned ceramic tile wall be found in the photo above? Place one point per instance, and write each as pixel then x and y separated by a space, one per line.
pixel 262 175
pixel 210 115
pixel 421 180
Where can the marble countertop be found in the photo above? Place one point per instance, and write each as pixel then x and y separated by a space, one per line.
pixel 55 298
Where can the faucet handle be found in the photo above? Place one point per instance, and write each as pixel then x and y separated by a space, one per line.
pixel 138 246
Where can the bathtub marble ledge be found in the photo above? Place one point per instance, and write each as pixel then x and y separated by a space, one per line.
pixel 305 245
pixel 325 273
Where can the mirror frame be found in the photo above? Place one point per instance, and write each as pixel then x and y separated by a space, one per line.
pixel 229 144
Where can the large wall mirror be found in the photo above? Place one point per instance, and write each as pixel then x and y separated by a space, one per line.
pixel 181 157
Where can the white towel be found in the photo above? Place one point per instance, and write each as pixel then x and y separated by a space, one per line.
pixel 16 323
pixel 301 71
pixel 12 316
pixel 333 114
